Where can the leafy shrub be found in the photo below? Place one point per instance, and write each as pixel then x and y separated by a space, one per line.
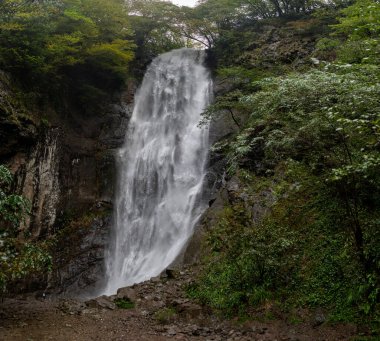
pixel 247 261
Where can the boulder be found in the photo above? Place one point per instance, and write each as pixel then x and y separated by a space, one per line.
pixel 127 293
pixel 102 302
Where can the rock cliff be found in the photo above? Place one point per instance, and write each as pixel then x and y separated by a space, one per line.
pixel 64 165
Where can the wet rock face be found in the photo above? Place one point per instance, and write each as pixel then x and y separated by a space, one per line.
pixel 79 257
pixel 88 170
pixel 88 178
pixel 65 167
pixel 38 180
pixel 31 151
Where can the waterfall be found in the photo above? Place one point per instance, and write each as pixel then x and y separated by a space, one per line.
pixel 161 170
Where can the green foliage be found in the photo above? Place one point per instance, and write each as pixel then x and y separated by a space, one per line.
pixel 160 25
pixel 63 45
pixel 360 20
pixel 225 25
pixel 333 129
pixel 247 262
pixel 156 27
pixel 123 303
pixel 5 177
pixel 18 258
pixel 240 82
pixel 214 18
pixel 337 116
pixel 295 255
pixel 358 33
pixel 13 207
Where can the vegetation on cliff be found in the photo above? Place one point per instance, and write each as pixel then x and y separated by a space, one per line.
pixel 18 258
pixel 311 145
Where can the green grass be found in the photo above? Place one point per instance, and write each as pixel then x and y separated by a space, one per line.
pixel 124 303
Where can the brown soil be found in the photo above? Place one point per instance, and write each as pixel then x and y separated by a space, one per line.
pixel 161 312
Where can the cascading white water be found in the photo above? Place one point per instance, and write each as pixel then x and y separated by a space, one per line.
pixel 161 169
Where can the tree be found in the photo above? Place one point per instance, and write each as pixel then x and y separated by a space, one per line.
pixel 155 27
pixel 67 45
pixel 204 22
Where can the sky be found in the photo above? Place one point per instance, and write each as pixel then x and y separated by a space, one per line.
pixel 184 2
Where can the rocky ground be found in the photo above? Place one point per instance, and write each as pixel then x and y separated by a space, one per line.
pixel 160 311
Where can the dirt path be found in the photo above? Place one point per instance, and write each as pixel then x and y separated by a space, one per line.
pixel 162 312
pixel 35 320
